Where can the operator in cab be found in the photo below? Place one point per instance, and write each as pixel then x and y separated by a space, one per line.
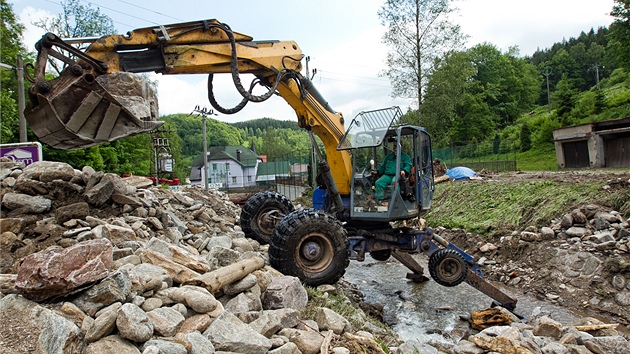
pixel 387 171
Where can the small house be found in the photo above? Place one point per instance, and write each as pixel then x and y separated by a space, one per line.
pixel 228 167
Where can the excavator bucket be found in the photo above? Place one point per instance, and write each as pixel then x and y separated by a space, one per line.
pixel 79 111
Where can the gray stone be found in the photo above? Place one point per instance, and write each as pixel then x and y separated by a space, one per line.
pixel 328 319
pixel 591 266
pixel 285 292
pixel 414 346
pixel 271 321
pixel 228 333
pixel 111 345
pixel 611 344
pixel 242 285
pixel 26 204
pixel 601 223
pixel 73 211
pixel 244 302
pixel 165 347
pixel 547 233
pixel 134 324
pixel 554 348
pixel 169 219
pixel 146 274
pixel 99 194
pixel 575 231
pixel 219 241
pixel 308 342
pixel 197 298
pixel 104 324
pixel 546 327
pixel 114 288
pixel 530 236
pixel 26 326
pixel 223 256
pixel 623 298
pixel 287 348
pixel 166 321
pixel 579 217
pixel 619 281
pixel 567 221
pixel 467 347
pixel 47 171
pixel 197 342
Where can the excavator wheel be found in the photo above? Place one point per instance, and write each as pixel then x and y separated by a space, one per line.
pixel 311 245
pixel 447 267
pixel 381 255
pixel 261 213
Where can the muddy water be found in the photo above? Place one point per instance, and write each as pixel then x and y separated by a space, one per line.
pixel 428 310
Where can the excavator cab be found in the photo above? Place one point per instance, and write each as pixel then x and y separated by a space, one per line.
pixel 370 137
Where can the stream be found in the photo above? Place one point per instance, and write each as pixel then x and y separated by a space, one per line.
pixel 425 311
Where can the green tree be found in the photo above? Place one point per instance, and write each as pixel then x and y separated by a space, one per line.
pixel 10 47
pixel 76 20
pixel 564 99
pixel 418 32
pixel 526 137
pixel 446 86
pixel 620 33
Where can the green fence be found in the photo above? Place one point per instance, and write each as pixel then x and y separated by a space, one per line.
pixel 492 156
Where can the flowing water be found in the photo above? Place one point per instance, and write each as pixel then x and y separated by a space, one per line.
pixel 422 311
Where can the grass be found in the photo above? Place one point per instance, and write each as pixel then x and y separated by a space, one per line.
pixel 537 160
pixel 498 207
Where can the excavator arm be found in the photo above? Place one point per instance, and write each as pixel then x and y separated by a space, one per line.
pixel 96 99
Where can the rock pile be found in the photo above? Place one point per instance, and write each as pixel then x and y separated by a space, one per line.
pixel 581 259
pixel 94 263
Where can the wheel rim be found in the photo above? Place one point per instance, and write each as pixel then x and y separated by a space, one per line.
pixel 450 269
pixel 314 252
pixel 267 220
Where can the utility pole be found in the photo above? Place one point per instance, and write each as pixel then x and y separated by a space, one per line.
pixel 19 69
pixel 204 112
pixel 547 73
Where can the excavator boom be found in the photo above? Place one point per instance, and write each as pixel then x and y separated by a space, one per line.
pixel 98 99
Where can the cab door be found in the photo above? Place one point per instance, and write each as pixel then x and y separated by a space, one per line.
pixel 424 171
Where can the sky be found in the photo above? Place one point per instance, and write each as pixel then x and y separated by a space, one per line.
pixel 341 37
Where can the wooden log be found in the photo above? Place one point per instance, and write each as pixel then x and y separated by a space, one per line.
pixel 441 179
pixel 586 328
pixel 217 279
pixel 7 284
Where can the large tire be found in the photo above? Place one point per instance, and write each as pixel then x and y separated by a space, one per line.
pixel 311 245
pixel 447 267
pixel 261 213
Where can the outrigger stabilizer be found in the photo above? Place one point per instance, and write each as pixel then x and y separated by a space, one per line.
pixel 448 264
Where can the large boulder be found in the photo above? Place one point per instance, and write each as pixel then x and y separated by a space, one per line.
pixel 56 271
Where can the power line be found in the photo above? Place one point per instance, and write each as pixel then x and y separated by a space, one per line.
pixel 150 10
pixel 60 4
pixel 357 76
pixel 120 12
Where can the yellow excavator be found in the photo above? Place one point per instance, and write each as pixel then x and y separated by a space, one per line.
pixel 99 98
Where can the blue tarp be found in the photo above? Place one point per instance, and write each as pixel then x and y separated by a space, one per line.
pixel 460 173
